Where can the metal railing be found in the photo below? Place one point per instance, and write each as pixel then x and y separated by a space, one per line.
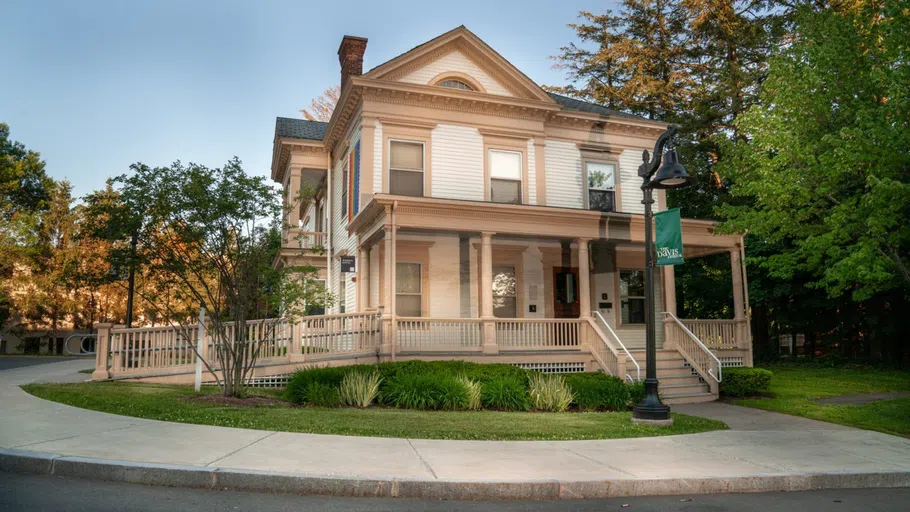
pixel 695 352
pixel 602 322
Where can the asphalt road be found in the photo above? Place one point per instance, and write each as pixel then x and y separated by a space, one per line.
pixel 37 493
pixel 8 363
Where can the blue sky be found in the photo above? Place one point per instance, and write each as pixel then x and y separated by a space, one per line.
pixel 97 85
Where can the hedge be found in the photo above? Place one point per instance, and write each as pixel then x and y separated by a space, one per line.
pixel 739 382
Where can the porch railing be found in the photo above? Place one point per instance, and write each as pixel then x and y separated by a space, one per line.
pixel 537 333
pixel 700 357
pixel 302 239
pixel 428 334
pixel 721 334
pixel 617 346
pixel 339 334
pixel 152 348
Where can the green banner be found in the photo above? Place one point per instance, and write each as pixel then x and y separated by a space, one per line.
pixel 668 239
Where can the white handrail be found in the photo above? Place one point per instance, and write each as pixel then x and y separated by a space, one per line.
pixel 685 329
pixel 624 349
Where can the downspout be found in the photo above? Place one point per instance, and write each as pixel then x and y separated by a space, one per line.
pixel 393 280
pixel 330 212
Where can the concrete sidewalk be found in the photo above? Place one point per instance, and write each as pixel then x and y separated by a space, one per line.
pixel 763 451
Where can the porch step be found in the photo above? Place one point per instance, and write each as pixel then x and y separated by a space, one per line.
pixel 690 398
pixel 674 390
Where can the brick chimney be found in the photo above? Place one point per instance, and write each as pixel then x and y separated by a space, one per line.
pixel 350 56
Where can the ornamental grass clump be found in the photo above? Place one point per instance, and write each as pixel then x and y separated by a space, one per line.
pixel 549 393
pixel 359 389
pixel 425 391
pixel 321 395
pixel 505 394
pixel 474 391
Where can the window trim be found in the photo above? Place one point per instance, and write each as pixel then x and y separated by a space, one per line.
pixel 515 144
pixel 617 200
pixel 461 77
pixel 344 188
pixel 407 133
pixel 420 267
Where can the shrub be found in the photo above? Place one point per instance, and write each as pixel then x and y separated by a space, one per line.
pixel 636 393
pixel 425 391
pixel 738 382
pixel 330 376
pixel 475 371
pixel 474 390
pixel 359 389
pixel 322 395
pixel 549 392
pixel 599 392
pixel 505 394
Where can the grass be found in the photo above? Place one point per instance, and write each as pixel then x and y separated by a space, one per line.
pixel 168 403
pixel 795 390
pixel 89 371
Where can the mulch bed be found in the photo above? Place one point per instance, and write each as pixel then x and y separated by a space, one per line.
pixel 252 401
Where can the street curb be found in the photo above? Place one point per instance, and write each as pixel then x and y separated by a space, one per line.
pixel 205 477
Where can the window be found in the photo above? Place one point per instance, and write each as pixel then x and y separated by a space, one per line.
pixel 320 213
pixel 632 296
pixel 455 84
pixel 342 293
pixel 505 303
pixel 505 176
pixel 601 186
pixel 408 289
pixel 406 168
pixel 317 305
pixel 344 191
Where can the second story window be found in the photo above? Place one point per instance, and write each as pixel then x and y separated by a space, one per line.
pixel 344 192
pixel 505 176
pixel 455 84
pixel 601 186
pixel 406 168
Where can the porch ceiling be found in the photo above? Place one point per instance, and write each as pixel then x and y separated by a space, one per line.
pixel 432 214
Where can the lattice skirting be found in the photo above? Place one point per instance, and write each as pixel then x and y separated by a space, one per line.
pixel 573 367
pixel 727 362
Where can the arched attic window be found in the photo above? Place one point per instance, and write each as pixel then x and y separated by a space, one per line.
pixel 454 83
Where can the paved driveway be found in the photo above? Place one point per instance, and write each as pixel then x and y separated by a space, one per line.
pixel 10 362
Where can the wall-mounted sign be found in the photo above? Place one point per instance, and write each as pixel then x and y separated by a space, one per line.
pixel 348 264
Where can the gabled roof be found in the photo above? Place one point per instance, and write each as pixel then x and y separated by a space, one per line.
pixel 586 106
pixel 299 128
pixel 479 49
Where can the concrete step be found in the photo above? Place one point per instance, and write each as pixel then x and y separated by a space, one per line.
pixel 674 390
pixel 691 398
pixel 678 379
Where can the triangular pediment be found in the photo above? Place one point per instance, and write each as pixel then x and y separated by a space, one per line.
pixel 460 55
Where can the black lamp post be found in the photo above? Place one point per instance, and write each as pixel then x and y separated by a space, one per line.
pixel 671 175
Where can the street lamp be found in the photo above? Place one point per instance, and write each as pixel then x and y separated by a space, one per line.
pixel 670 175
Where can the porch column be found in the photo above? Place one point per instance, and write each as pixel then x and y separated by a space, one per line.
pixel 385 298
pixel 293 199
pixel 102 352
pixel 669 278
pixel 740 324
pixel 584 278
pixel 363 280
pixel 486 293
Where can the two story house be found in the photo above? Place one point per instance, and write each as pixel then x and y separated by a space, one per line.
pixel 487 218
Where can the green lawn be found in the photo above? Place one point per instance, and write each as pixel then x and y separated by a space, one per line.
pixel 796 388
pixel 169 403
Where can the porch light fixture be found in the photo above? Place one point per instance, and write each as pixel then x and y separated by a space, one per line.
pixel 670 175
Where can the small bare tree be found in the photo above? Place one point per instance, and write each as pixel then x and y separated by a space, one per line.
pixel 213 235
pixel 321 107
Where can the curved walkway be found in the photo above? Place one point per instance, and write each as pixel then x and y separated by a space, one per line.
pixel 761 451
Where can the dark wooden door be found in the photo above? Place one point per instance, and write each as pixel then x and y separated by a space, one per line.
pixel 565 292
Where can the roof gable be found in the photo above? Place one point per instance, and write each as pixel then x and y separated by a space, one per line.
pixel 460 52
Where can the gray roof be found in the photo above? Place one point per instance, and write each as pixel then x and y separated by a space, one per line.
pixel 586 106
pixel 300 128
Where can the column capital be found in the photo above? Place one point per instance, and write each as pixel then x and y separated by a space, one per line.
pixel 487 234
pixel 582 241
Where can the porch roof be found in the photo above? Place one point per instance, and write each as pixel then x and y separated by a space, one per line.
pixel 455 215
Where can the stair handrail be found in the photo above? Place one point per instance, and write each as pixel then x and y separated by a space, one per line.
pixel 624 349
pixel 719 376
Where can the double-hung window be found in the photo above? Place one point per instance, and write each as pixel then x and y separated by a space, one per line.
pixel 344 191
pixel 408 289
pixel 406 168
pixel 632 296
pixel 505 303
pixel 505 176
pixel 601 186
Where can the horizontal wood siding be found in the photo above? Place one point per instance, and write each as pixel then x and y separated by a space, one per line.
pixel 455 61
pixel 563 164
pixel 377 159
pixel 631 183
pixel 532 174
pixel 457 163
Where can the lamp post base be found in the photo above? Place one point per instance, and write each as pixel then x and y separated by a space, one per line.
pixel 651 409
pixel 653 423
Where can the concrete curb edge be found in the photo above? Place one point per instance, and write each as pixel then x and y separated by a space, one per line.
pixel 173 475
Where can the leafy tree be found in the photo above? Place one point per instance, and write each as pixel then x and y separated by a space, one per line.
pixel 322 106
pixel 209 236
pixel 825 168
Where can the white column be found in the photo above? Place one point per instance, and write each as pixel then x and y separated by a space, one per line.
pixel 363 279
pixel 736 265
pixel 486 293
pixel 584 278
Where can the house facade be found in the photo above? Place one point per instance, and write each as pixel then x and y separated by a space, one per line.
pixel 482 212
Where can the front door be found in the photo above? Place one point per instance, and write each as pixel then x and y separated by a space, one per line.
pixel 565 292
